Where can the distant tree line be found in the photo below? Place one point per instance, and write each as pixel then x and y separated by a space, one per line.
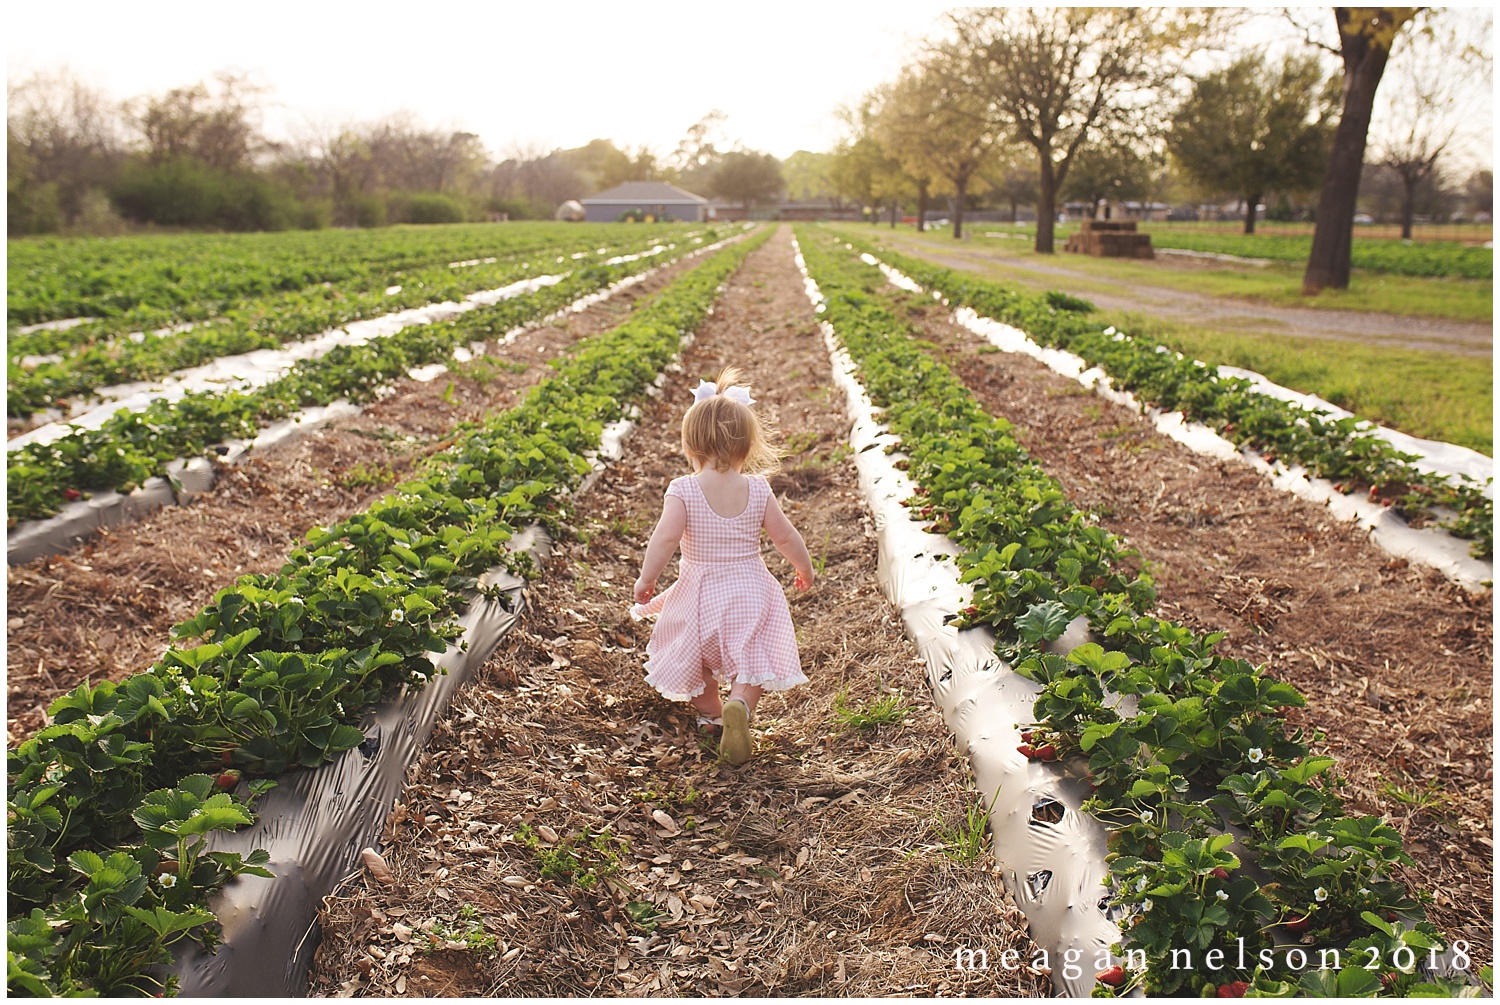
pixel 196 158
pixel 1054 107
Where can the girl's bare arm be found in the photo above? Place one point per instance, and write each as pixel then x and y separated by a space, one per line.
pixel 663 544
pixel 787 541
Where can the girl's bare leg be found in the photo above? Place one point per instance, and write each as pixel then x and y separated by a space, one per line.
pixel 748 693
pixel 710 703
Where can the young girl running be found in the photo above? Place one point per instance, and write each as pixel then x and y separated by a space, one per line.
pixel 725 618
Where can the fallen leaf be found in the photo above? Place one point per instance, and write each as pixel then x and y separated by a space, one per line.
pixel 665 820
pixel 378 869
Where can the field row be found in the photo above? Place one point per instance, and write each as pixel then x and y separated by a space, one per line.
pixel 1346 451
pixel 1190 717
pixel 154 280
pixel 355 612
pixel 132 445
pixel 99 355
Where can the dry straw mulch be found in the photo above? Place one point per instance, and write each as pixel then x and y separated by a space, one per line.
pixel 821 867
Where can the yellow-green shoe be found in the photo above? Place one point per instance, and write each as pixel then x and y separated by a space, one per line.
pixel 735 743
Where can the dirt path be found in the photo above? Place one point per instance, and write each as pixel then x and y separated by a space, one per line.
pixel 103 610
pixel 1396 662
pixel 816 869
pixel 1468 338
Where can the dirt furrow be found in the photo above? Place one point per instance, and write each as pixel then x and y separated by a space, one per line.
pixel 598 845
pixel 1395 661
pixel 104 610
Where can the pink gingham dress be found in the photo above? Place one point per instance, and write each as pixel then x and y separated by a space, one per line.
pixel 726 613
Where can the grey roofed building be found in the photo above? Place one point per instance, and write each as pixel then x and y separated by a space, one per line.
pixel 653 198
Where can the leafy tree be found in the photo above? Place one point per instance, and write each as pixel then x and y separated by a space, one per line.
pixel 901 124
pixel 691 164
pixel 747 178
pixel 1366 37
pixel 1012 178
pixel 1116 171
pixel 1252 128
pixel 1054 76
pixel 808 176
pixel 862 167
pixel 934 123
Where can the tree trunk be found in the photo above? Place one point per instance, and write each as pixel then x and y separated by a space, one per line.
pixel 1408 204
pixel 894 207
pixel 1251 201
pixel 961 184
pixel 1333 234
pixel 1014 207
pixel 921 207
pixel 1046 208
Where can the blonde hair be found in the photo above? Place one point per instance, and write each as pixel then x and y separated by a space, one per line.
pixel 723 433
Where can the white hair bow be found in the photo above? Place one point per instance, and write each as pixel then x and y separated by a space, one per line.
pixel 707 389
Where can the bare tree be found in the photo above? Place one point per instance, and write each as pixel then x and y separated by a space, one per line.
pixel 218 126
pixel 64 134
pixel 1428 106
pixel 1056 76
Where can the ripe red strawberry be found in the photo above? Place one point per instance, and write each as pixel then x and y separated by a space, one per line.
pixel 1220 873
pixel 72 494
pixel 1234 989
pixel 1028 736
pixel 228 779
pixel 227 756
pixel 1047 752
pixel 1026 750
pixel 1114 976
pixel 1297 923
pixel 1387 980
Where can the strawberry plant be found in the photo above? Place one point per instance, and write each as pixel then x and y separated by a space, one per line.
pixel 126 780
pixel 1198 722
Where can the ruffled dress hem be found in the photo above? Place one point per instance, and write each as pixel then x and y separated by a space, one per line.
pixel 769 684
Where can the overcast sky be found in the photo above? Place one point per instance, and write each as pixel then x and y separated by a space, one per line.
pixel 530 76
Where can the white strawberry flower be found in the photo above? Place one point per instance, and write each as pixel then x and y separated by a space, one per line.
pixel 167 880
pixel 1320 894
pixel 1221 895
pixel 1256 755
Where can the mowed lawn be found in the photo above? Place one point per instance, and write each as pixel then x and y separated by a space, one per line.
pixel 1278 283
pixel 1432 394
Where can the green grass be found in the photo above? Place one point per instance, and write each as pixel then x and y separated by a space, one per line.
pixel 1279 284
pixel 888 708
pixel 1435 395
pixel 969 839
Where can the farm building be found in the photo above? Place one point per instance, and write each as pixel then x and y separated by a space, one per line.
pixel 655 199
